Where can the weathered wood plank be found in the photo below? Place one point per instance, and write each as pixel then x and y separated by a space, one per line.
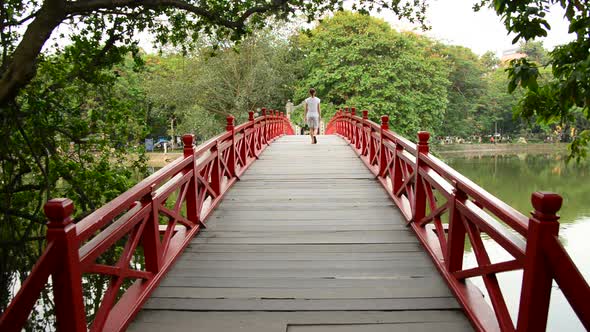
pixel 305 248
pixel 303 283
pixel 162 320
pixel 429 303
pixel 301 293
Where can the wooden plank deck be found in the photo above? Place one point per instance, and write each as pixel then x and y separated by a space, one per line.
pixel 306 241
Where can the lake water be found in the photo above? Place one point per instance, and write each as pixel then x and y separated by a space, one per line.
pixel 512 178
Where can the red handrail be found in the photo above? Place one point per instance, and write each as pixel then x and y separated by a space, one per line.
pixel 200 179
pixel 412 177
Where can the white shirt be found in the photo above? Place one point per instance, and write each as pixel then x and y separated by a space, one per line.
pixel 313 104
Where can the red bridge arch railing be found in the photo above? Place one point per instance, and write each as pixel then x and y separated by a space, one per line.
pixel 160 215
pixel 425 189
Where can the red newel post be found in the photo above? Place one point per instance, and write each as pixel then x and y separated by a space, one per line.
pixel 420 193
pixel 342 123
pixel 382 156
pixel 366 134
pixel 457 232
pixel 537 277
pixel 231 160
pixel 271 128
pixel 339 123
pixel 264 130
pixel 347 126
pixel 67 277
pixel 191 194
pixel 251 143
pixel 353 128
pixel 358 133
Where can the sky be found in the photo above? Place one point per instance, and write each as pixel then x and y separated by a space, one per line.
pixel 454 22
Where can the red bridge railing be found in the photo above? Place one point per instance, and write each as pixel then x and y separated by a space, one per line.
pixel 161 215
pixel 424 188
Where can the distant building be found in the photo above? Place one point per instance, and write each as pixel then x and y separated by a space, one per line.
pixel 511 54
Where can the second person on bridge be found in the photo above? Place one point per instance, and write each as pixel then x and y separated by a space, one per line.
pixel 312 114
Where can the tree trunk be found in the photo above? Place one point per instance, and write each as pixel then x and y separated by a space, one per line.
pixel 21 68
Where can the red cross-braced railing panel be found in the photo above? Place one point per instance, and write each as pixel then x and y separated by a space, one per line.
pixel 446 210
pixel 159 216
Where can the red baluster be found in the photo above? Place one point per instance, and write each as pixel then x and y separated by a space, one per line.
pixel 231 160
pixel 191 194
pixel 537 277
pixel 358 133
pixel 216 171
pixel 282 124
pixel 264 129
pixel 457 232
pixel 252 141
pixel 419 206
pixel 347 127
pixel 382 155
pixel 366 134
pixel 352 128
pixel 67 277
pixel 397 176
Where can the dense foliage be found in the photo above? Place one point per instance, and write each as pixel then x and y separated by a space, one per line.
pixel 356 60
pixel 211 84
pixel 72 132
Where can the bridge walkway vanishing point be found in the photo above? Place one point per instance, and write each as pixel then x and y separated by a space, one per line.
pixel 307 241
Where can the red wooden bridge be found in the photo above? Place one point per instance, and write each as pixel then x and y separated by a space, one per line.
pixel 365 230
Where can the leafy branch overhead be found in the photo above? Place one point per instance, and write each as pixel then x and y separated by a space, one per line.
pixel 178 22
pixel 567 93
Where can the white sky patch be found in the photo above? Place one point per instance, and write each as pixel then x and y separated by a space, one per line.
pixel 454 22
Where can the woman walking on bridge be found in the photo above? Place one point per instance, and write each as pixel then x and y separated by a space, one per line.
pixel 312 114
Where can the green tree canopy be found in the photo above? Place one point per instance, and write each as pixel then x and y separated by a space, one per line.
pixel 356 60
pixel 464 92
pixel 212 83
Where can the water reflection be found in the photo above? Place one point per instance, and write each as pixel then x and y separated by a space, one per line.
pixel 512 178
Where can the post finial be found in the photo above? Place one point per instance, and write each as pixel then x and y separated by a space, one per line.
pixel 365 114
pixel 251 116
pixel 546 205
pixel 423 137
pixel 59 212
pixel 385 122
pixel 230 122
pixel 188 140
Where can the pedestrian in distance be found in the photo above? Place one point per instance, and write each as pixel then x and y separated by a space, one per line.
pixel 312 114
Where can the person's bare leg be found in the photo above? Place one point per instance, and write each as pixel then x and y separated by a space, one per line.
pixel 311 133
